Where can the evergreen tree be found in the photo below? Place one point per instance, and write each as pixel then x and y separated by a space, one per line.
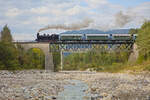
pixel 8 58
pixel 6 34
pixel 8 51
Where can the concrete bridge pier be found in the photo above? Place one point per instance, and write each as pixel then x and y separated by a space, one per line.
pixel 134 55
pixel 49 62
pixel 45 48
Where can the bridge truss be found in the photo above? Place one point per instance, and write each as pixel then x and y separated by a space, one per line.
pixel 82 46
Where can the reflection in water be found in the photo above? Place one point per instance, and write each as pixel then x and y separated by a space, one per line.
pixel 74 91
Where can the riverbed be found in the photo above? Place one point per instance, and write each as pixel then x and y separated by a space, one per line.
pixel 41 85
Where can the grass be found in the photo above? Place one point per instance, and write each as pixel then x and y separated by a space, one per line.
pixel 135 68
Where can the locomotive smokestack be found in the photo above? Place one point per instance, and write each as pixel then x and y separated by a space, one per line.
pixel 74 26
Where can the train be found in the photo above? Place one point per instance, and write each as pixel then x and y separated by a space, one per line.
pixel 85 37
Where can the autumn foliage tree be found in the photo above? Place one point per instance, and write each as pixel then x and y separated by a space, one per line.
pixel 143 40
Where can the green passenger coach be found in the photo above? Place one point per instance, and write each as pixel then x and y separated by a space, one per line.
pixel 71 37
pixel 121 36
pixel 97 37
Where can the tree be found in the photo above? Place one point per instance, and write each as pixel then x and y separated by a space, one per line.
pixel 133 31
pixel 8 52
pixel 143 39
pixel 36 59
pixel 6 34
pixel 8 58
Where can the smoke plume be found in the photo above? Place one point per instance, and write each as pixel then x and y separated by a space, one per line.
pixel 74 26
pixel 122 19
pixel 119 20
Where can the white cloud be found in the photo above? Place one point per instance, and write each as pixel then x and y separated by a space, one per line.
pixel 42 20
pixel 40 10
pixel 75 10
pixel 13 12
pixel 26 22
pixel 96 3
pixel 23 36
pixel 143 10
pixel 2 22
pixel 57 12
pixel 139 14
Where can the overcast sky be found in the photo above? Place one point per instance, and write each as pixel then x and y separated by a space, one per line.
pixel 26 17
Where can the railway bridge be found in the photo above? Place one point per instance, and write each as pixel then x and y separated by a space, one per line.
pixel 78 46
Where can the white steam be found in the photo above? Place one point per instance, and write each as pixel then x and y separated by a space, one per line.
pixel 122 19
pixel 74 26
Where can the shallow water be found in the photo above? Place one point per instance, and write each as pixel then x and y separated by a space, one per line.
pixel 74 91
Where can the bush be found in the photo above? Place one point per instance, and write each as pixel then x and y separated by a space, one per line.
pixel 115 67
pixel 147 67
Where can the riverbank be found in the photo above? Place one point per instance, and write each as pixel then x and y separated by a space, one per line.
pixel 41 85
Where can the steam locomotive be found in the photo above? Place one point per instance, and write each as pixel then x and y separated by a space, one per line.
pixel 47 38
pixel 85 37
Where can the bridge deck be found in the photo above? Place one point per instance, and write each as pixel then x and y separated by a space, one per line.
pixel 93 42
pixel 78 42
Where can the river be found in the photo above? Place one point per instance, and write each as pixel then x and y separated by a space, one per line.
pixel 74 91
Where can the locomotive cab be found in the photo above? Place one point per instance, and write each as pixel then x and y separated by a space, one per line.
pixel 54 37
